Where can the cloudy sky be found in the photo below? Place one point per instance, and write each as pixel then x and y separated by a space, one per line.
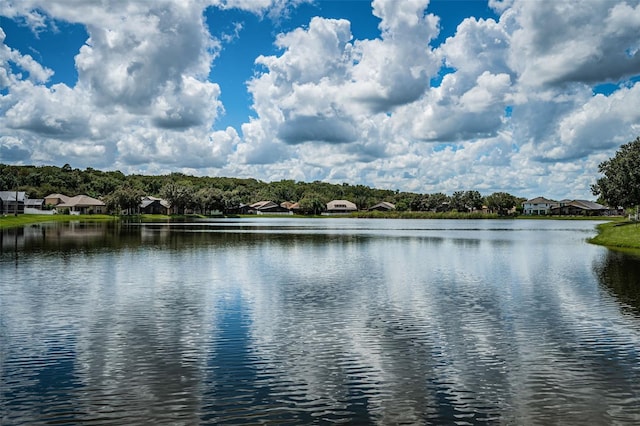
pixel 526 97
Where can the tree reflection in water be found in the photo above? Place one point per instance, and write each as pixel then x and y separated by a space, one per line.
pixel 619 273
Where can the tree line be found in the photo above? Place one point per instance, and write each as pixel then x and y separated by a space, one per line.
pixel 205 194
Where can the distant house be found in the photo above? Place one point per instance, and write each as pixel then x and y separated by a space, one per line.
pixel 239 209
pixel 340 207
pixel 579 208
pixel 12 202
pixel 55 199
pixel 154 205
pixel 80 204
pixel 35 206
pixel 383 207
pixel 268 207
pixel 538 206
pixel 292 207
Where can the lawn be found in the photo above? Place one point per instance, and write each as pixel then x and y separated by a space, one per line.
pixel 624 234
pixel 11 221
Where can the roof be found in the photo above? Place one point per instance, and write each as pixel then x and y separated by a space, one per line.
pixel 63 198
pixel 81 201
pixel 289 205
pixel 11 195
pixel 34 202
pixel 384 205
pixel 587 205
pixel 263 205
pixel 540 200
pixel 341 205
pixel 147 201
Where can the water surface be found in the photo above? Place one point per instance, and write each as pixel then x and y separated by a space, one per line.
pixel 293 321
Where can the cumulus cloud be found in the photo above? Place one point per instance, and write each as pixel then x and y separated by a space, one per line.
pixel 575 41
pixel 504 104
pixel 33 71
pixel 13 149
pixel 326 87
pixel 143 74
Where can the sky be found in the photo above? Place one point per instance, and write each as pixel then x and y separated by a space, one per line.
pixel 526 97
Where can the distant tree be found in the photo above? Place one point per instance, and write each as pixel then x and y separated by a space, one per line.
pixel 473 200
pixel 231 201
pixel 501 202
pixel 123 198
pixel 458 202
pixel 438 202
pixel 208 199
pixel 620 185
pixel 312 203
pixel 178 194
pixel 421 203
pixel 405 201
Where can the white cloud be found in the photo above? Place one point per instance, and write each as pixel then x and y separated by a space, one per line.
pixel 325 85
pixel 142 96
pixel 35 72
pixel 575 41
pixel 515 110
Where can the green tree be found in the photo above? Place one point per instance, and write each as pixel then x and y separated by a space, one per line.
pixel 231 201
pixel 312 203
pixel 501 202
pixel 208 199
pixel 458 202
pixel 473 200
pixel 178 194
pixel 437 202
pixel 620 185
pixel 124 197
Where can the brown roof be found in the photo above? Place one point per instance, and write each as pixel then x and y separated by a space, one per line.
pixel 81 201
pixel 61 197
pixel 539 200
pixel 263 205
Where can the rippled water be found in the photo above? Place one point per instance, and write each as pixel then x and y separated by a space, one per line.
pixel 284 321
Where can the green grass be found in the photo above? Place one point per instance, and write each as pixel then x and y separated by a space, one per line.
pixel 12 221
pixel 619 233
pixel 420 215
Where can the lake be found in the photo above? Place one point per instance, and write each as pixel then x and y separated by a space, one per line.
pixel 298 321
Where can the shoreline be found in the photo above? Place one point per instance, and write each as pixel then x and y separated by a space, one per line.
pixel 614 233
pixel 618 234
pixel 11 221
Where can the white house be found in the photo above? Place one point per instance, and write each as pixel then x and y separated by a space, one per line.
pixel 538 206
pixel 341 207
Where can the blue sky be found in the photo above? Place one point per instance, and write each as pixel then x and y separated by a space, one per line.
pixel 416 95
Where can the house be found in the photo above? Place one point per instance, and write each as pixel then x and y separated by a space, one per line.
pixel 579 208
pixel 80 204
pixel 538 206
pixel 154 205
pixel 55 199
pixel 239 209
pixel 340 207
pixel 383 207
pixel 12 202
pixel 268 207
pixel 292 207
pixel 35 206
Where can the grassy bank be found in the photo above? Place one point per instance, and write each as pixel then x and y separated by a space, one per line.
pixel 28 219
pixel 420 215
pixel 623 234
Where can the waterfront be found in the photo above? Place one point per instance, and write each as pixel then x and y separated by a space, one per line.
pixel 326 320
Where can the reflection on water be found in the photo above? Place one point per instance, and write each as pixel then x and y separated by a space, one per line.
pixel 287 321
pixel 619 272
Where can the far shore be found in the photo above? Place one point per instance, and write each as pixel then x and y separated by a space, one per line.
pixel 11 221
pixel 614 232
